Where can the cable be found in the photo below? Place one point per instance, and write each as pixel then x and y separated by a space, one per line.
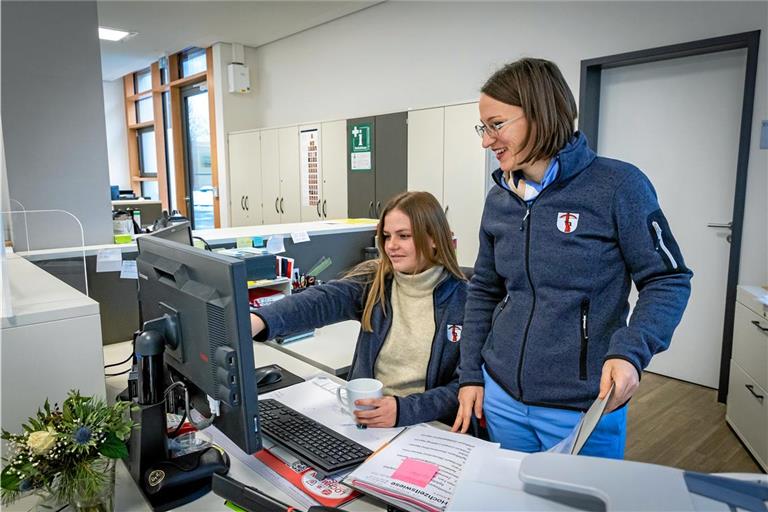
pixel 117 374
pixel 207 247
pixel 121 362
pixel 207 422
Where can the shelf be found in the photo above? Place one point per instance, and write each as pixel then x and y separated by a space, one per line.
pixel 264 283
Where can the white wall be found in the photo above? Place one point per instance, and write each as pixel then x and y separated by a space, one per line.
pixel 401 55
pixel 117 134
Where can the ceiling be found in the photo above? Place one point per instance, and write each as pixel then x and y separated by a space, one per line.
pixel 170 26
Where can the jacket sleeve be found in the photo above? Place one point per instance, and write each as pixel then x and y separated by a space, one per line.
pixel 486 290
pixel 657 268
pixel 314 307
pixel 439 403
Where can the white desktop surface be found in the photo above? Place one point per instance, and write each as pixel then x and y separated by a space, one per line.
pixel 217 236
pixel 330 349
pixel 128 498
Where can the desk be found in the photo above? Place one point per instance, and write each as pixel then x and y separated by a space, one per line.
pixel 330 349
pixel 128 498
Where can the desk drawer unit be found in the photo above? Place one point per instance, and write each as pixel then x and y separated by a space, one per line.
pixel 747 413
pixel 750 344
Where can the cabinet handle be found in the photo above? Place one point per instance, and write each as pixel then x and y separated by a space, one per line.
pixel 757 324
pixel 276 201
pixel 281 205
pixel 242 203
pixel 751 389
pixel 317 208
pixel 447 207
pixel 370 210
pixel 378 205
pixel 324 213
pixel 246 203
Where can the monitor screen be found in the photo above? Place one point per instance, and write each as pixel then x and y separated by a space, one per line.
pixel 202 299
pixel 181 233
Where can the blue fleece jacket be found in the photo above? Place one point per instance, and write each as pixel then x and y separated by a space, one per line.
pixel 547 304
pixel 344 299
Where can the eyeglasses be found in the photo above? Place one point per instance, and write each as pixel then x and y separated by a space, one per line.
pixel 493 129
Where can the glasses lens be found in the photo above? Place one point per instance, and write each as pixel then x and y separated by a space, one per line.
pixel 480 129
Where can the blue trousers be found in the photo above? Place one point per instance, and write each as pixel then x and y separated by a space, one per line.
pixel 530 428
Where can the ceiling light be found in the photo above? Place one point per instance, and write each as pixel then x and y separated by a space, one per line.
pixel 111 34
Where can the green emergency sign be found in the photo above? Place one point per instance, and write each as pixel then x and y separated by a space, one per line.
pixel 360 147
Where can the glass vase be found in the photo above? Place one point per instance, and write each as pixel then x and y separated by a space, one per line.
pixel 96 494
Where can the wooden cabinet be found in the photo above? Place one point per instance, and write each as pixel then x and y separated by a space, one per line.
pixel 747 409
pixel 245 179
pixel 446 158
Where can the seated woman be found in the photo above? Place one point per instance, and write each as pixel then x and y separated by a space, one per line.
pixel 410 303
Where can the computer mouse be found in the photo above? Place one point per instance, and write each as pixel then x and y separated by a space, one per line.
pixel 268 375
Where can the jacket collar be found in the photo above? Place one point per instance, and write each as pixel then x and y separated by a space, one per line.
pixel 443 290
pixel 574 158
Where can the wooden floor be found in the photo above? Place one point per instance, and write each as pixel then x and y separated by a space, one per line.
pixel 679 424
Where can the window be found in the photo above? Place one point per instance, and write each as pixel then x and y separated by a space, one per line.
pixel 143 81
pixel 147 153
pixel 170 166
pixel 150 190
pixel 191 62
pixel 144 110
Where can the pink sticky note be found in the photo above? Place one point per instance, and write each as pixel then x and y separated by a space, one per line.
pixel 415 472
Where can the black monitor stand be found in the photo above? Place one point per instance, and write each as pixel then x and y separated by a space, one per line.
pixel 165 483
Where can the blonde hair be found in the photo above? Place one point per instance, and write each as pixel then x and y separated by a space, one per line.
pixel 428 226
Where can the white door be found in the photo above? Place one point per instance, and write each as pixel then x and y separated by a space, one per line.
pixel 333 141
pixel 244 179
pixel 678 121
pixel 290 194
pixel 425 151
pixel 463 179
pixel 270 176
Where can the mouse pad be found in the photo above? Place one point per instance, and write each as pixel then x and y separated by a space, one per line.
pixel 289 379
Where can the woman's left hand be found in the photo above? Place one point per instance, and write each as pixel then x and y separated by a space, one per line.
pixel 383 415
pixel 624 376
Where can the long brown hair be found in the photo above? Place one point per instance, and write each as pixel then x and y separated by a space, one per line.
pixel 428 221
pixel 538 87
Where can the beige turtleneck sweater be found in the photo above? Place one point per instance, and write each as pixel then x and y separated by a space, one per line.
pixel 402 362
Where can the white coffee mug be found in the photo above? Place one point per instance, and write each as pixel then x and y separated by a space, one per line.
pixel 358 389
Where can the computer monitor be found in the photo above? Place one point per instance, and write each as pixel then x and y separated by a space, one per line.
pixel 181 233
pixel 198 301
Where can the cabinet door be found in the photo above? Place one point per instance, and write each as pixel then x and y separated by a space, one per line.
pixel 311 172
pixel 425 151
pixel 333 141
pixel 244 176
pixel 270 176
pixel 391 149
pixel 361 184
pixel 464 180
pixel 290 195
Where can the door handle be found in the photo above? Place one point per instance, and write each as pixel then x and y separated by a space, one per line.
pixel 246 203
pixel 757 324
pixel 276 200
pixel 242 202
pixel 324 212
pixel 370 210
pixel 751 389
pixel 317 208
pixel 726 225
pixel 281 205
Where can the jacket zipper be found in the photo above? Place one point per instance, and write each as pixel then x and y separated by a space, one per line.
pixel 663 247
pixel 437 326
pixel 533 293
pixel 584 339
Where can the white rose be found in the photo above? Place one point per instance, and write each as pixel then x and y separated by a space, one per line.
pixel 42 440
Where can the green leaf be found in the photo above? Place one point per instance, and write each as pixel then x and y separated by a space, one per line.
pixel 113 447
pixel 8 481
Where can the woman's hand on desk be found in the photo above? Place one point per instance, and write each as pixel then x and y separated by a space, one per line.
pixel 384 415
pixel 257 325
pixel 470 400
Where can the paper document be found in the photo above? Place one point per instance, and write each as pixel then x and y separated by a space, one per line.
pixel 128 270
pixel 299 237
pixel 448 451
pixel 575 441
pixel 109 260
pixel 275 245
pixel 316 398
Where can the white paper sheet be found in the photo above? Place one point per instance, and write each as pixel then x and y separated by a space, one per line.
pixel 109 260
pixel 128 270
pixel 275 245
pixel 316 398
pixel 299 237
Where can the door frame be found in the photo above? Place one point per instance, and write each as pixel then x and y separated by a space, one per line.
pixel 589 119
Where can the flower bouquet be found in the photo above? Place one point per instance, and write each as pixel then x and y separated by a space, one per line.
pixel 67 454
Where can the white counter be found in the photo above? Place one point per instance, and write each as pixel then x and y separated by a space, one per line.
pixel 220 236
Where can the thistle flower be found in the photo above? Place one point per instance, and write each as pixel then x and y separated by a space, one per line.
pixel 82 435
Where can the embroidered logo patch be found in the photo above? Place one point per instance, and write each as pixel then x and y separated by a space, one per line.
pixel 567 222
pixel 454 333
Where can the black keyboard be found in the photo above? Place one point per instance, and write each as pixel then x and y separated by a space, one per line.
pixel 322 448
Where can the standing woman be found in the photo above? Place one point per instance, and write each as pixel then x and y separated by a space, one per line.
pixel 410 302
pixel 563 235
